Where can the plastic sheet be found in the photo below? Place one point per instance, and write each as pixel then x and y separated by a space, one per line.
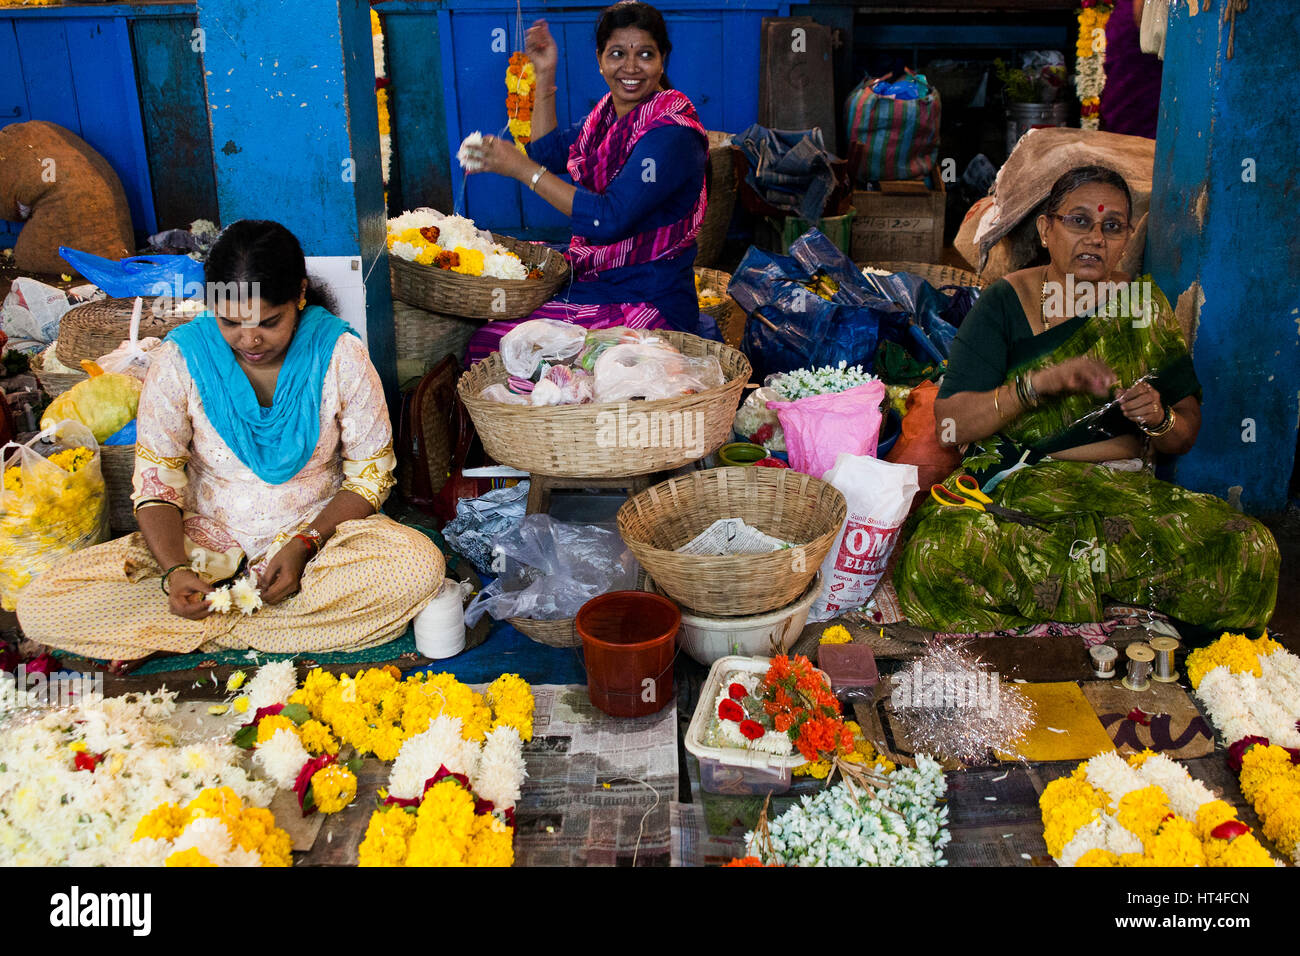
pixel 562 385
pixel 598 341
pixel 47 511
pixel 103 403
pixel 531 343
pixel 176 276
pixel 820 428
pixel 627 372
pixel 479 520
pixel 549 569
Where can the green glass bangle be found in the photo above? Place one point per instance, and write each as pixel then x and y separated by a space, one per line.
pixel 168 573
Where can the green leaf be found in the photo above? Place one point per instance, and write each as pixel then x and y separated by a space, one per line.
pixel 354 765
pixel 298 713
pixel 245 737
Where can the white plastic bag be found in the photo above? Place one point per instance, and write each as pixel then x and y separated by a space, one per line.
pixel 562 385
pixel 879 494
pixel 530 343
pixel 32 311
pixel 132 356
pixel 626 372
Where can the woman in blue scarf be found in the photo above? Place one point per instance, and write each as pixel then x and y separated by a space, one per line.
pixel 264 451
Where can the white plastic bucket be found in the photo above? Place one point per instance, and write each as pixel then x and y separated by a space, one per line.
pixel 761 635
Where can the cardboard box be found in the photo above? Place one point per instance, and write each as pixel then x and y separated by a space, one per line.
pixel 903 222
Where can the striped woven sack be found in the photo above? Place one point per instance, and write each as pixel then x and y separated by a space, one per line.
pixel 900 137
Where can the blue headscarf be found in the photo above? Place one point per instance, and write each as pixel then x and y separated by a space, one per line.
pixel 276 442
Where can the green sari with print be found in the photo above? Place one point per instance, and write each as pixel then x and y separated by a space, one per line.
pixel 1113 536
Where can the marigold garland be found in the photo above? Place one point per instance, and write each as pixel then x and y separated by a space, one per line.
pixel 1090 53
pixel 213 829
pixel 1112 812
pixel 521 82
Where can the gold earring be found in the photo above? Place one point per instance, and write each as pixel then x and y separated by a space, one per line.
pixel 302 303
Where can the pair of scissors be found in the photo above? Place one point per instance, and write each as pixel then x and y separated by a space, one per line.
pixel 968 495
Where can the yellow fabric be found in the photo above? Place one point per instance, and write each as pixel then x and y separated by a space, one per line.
pixel 369 580
pixel 1062 707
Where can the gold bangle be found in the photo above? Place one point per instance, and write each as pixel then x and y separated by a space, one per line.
pixel 1165 427
pixel 996 407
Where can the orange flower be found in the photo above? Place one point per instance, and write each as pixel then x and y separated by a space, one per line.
pixel 783 721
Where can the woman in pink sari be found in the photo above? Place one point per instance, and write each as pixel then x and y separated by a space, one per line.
pixel 637 162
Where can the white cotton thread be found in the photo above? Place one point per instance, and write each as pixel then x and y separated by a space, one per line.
pixel 440 627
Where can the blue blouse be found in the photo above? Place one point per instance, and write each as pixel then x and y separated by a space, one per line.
pixel 633 202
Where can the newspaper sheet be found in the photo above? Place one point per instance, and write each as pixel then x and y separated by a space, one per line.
pixel 600 789
pixel 732 536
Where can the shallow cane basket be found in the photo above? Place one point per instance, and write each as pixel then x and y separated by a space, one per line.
pixel 481 297
pixel 118 465
pixel 727 313
pixel 788 505
pixel 97 328
pixel 559 633
pixel 612 439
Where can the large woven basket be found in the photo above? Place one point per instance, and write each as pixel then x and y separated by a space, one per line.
pixel 56 383
pixel 428 336
pixel 96 328
pixel 727 313
pixel 595 440
pixel 720 181
pixel 481 297
pixel 559 633
pixel 937 275
pixel 795 507
pixel 118 465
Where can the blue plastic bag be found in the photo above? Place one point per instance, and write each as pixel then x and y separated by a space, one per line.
pixel 123 436
pixel 175 276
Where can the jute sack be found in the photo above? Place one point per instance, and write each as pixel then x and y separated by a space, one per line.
pixel 75 197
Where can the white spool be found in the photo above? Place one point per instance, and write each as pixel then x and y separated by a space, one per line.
pixel 440 627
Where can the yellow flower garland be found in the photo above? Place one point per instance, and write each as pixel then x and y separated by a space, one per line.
pixel 1271 782
pixel 1236 652
pixel 333 788
pixel 250 828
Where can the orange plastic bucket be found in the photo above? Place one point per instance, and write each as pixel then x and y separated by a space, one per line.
pixel 628 643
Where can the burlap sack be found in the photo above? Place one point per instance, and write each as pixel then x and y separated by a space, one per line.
pixel 999 234
pixel 75 196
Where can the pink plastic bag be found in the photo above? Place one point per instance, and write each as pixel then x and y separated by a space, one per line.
pixel 821 427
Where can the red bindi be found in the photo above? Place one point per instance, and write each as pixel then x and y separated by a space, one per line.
pixel 1101 209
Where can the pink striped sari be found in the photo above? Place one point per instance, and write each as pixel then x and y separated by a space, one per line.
pixel 596 157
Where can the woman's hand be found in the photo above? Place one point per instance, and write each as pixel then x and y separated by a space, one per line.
pixel 186 593
pixel 495 155
pixel 1141 405
pixel 1074 376
pixel 541 49
pixel 282 575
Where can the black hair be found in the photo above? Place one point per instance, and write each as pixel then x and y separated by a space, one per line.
pixel 1082 176
pixel 265 252
pixel 641 16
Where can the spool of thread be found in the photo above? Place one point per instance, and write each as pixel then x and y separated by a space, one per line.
pixel 440 627
pixel 1163 667
pixel 1103 660
pixel 1139 657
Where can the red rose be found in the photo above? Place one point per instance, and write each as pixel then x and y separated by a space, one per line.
pixel 770 462
pixel 737 691
pixel 1229 830
pixel 763 434
pixel 752 729
pixel 303 783
pixel 730 710
pixel 1139 715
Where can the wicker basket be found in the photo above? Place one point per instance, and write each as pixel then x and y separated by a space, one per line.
pixel 794 507
pixel 559 633
pixel 118 465
pixel 728 314
pixel 720 180
pixel 427 336
pixel 573 441
pixel 97 328
pixel 937 275
pixel 474 297
pixel 56 383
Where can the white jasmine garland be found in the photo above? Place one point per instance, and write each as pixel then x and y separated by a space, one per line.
pixel 902 825
pixel 804 382
pixel 281 758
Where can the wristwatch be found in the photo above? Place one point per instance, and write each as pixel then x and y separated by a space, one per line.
pixel 532 183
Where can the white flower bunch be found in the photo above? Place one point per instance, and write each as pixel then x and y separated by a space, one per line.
pixel 54 814
pixel 281 758
pixel 273 684
pixel 804 382
pixel 242 596
pixel 495 767
pixel 500 773
pixel 1243 705
pixel 208 835
pixel 498 261
pixel 901 825
pixel 726 733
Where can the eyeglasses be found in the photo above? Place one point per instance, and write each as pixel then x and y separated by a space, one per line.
pixel 1082 226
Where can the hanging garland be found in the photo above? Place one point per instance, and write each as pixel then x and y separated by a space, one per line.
pixel 1090 52
pixel 520 84
pixel 381 95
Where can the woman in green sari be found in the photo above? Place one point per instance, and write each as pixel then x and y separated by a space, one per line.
pixel 1060 382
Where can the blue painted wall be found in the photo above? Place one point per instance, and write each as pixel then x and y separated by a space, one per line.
pixel 290 91
pixel 1222 121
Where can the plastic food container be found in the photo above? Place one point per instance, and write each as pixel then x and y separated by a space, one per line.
pixel 851 668
pixel 735 771
pixel 708 638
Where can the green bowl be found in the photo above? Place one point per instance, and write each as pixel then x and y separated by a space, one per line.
pixel 741 453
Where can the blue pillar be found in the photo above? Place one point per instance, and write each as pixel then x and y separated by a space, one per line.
pixel 295 138
pixel 1223 210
